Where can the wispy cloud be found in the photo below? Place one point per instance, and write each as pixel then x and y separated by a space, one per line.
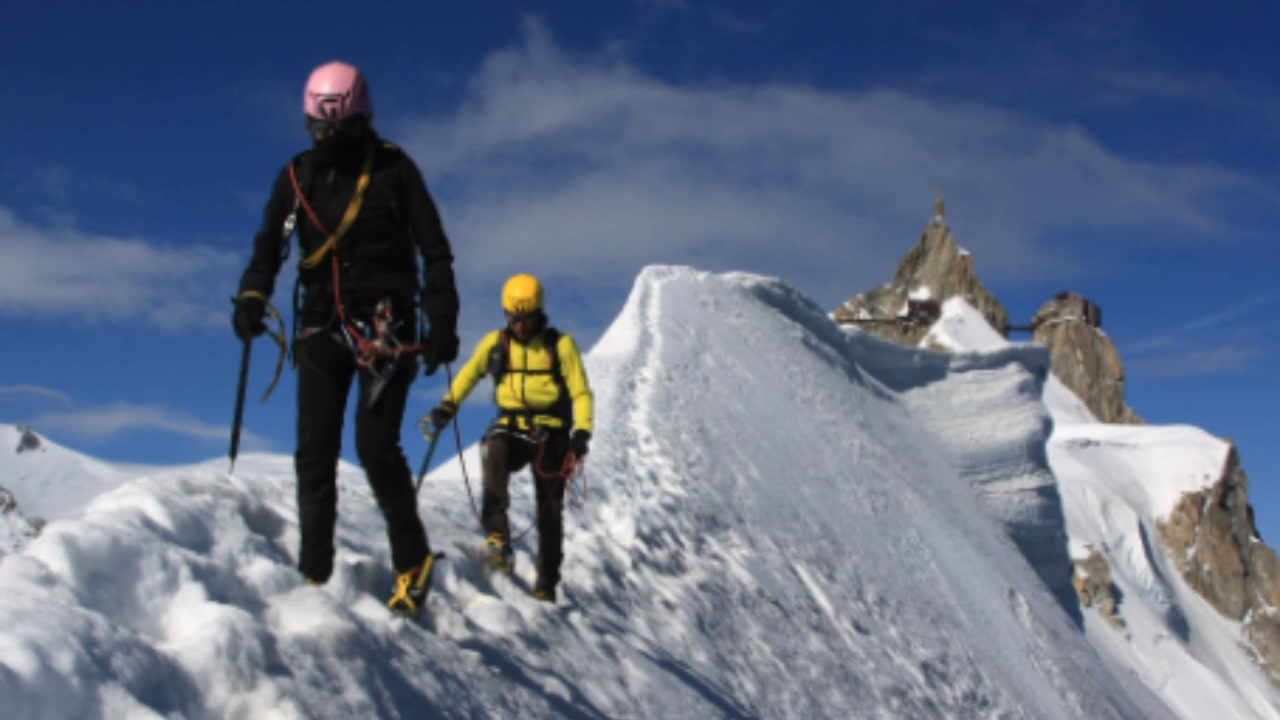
pixel 100 423
pixel 37 391
pixel 583 169
pixel 60 271
pixel 677 4
pixel 1166 339
pixel 1213 342
pixel 1131 86
pixel 734 22
pixel 1181 362
pixel 59 184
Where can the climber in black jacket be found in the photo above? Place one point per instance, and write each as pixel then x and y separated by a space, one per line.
pixel 363 216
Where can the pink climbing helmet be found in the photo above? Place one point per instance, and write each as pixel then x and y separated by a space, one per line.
pixel 336 91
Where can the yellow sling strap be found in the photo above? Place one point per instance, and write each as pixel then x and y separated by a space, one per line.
pixel 348 218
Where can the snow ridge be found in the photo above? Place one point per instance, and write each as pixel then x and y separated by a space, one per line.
pixel 785 520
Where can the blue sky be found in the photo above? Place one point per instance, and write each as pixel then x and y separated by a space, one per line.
pixel 1127 153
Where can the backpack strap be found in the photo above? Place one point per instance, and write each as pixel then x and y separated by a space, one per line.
pixel 497 363
pixel 300 178
pixel 563 408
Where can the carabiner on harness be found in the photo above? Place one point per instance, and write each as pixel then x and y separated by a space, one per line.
pixel 372 341
pixel 375 346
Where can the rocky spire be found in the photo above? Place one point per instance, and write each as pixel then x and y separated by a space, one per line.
pixel 1210 536
pixel 936 269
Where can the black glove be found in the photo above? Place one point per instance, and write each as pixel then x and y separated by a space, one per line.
pixel 438 418
pixel 580 440
pixel 442 347
pixel 246 319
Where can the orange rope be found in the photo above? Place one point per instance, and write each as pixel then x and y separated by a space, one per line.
pixel 367 351
pixel 569 470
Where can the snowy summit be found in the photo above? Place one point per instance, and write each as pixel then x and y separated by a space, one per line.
pixel 784 519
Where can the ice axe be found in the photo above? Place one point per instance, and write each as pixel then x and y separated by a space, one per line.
pixel 239 414
pixel 433 436
pixel 238 420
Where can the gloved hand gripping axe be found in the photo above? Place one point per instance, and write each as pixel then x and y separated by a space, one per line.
pixel 238 418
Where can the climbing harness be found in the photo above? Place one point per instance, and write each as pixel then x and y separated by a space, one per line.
pixel 570 471
pixel 563 478
pixel 375 344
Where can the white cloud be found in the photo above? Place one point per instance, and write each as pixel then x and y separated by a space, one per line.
pixel 734 22
pixel 1131 86
pixel 59 183
pixel 36 390
pixel 1184 361
pixel 1214 341
pixel 673 4
pixel 59 271
pixel 1214 320
pixel 586 168
pixel 99 423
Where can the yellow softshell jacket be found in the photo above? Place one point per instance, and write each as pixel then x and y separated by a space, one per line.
pixel 528 385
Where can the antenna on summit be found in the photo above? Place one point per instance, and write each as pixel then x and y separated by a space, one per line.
pixel 939 209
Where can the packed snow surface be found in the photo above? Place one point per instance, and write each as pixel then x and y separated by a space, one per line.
pixel 784 519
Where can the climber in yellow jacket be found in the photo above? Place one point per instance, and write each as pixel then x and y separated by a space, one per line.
pixel 544 419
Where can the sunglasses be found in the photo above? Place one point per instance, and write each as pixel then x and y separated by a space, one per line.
pixel 321 127
pixel 518 318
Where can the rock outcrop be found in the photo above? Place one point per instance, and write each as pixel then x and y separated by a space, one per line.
pixel 1082 356
pixel 936 269
pixel 15 528
pixel 27 439
pixel 1091 577
pixel 1211 538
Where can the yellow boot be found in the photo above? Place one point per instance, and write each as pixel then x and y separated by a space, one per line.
pixel 499 553
pixel 411 589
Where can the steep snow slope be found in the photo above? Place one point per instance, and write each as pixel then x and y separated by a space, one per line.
pixel 46 482
pixel 1115 482
pixel 776 527
pixel 52 481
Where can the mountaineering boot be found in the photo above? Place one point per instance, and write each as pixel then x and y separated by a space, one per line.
pixel 544 592
pixel 411 589
pixel 499 554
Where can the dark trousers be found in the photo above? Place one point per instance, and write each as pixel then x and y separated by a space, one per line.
pixel 326 369
pixel 505 453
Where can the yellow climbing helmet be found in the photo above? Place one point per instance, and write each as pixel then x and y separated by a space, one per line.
pixel 522 294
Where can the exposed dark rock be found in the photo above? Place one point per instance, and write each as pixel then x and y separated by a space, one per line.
pixel 27 439
pixel 1092 581
pixel 1211 538
pixel 1082 357
pixel 933 271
